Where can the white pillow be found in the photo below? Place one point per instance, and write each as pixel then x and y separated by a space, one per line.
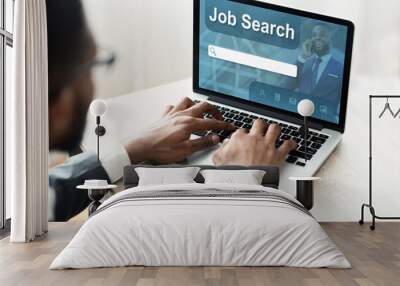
pixel 243 177
pixel 166 176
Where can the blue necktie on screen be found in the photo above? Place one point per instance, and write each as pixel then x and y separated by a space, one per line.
pixel 315 69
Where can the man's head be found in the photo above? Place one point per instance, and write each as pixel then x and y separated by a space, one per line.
pixel 70 48
pixel 321 37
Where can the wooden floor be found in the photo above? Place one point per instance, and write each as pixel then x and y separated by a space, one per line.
pixel 375 257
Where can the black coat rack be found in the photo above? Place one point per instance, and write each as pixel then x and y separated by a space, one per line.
pixel 370 204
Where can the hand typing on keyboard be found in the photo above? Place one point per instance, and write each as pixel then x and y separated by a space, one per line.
pixel 254 147
pixel 168 141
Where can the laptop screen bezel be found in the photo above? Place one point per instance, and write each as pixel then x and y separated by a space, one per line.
pixel 340 127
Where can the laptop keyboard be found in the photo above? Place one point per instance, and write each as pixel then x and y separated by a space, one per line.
pixel 245 120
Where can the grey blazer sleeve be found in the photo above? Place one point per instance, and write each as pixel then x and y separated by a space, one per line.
pixel 63 179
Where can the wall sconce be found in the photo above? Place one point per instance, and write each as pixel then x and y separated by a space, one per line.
pixel 98 108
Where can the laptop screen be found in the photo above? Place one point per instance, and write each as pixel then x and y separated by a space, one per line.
pixel 273 57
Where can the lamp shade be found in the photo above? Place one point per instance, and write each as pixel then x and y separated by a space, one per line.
pixel 98 107
pixel 306 108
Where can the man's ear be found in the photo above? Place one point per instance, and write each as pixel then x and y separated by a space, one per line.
pixel 61 112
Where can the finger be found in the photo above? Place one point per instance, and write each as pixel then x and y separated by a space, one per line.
pixel 217 157
pixel 210 124
pixel 183 105
pixel 259 128
pixel 200 144
pixel 199 109
pixel 224 144
pixel 241 131
pixel 287 147
pixel 273 133
pixel 168 109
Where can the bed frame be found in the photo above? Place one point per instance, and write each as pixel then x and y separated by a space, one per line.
pixel 271 178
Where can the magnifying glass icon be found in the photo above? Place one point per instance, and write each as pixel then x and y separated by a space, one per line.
pixel 212 52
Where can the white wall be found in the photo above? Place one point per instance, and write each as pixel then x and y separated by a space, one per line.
pixel 153 40
pixel 379 38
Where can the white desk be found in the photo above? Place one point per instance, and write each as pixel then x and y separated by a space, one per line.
pixel 344 187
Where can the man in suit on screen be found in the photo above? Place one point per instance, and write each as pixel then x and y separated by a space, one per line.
pixel 319 73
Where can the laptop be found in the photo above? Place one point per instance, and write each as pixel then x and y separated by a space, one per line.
pixel 256 60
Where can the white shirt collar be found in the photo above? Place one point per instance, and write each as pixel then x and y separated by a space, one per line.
pixel 325 58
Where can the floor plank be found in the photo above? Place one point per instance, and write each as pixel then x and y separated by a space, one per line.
pixel 375 257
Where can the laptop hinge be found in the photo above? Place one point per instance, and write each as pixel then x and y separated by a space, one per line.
pixel 264 112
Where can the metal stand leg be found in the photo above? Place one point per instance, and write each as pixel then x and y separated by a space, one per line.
pixel 361 221
pixel 372 211
pixel 305 193
pixel 95 196
pixel 93 207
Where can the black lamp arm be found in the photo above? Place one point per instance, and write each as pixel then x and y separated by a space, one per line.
pixel 305 138
pixel 100 131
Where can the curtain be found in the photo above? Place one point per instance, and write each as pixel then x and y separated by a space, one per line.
pixel 27 119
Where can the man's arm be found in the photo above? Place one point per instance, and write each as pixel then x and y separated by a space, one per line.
pixel 168 141
pixel 65 201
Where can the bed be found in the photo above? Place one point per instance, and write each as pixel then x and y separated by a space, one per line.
pixel 199 224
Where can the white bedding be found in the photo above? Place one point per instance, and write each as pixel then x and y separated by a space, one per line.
pixel 200 231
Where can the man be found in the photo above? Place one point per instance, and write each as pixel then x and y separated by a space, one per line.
pixel 320 74
pixel 72 55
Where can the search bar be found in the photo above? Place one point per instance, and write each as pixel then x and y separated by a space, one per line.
pixel 252 61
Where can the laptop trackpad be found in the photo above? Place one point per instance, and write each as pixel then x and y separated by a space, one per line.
pixel 203 157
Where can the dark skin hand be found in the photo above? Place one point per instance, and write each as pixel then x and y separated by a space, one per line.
pixel 168 140
pixel 256 147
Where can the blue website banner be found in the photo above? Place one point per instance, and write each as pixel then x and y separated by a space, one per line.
pixel 252 23
pixel 273 53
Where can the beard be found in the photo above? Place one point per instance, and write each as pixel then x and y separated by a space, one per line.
pixel 73 136
pixel 322 48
